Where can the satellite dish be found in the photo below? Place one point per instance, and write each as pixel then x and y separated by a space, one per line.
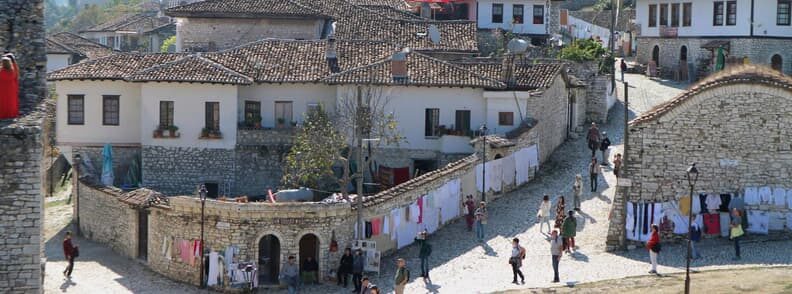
pixel 434 34
pixel 332 29
pixel 517 46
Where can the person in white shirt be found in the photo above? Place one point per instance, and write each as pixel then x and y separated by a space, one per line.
pixel 556 250
pixel 543 216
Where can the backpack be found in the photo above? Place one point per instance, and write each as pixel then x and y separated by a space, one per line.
pixel 76 252
pixel 522 252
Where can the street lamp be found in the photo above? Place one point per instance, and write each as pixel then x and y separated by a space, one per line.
pixel 202 194
pixel 483 133
pixel 692 177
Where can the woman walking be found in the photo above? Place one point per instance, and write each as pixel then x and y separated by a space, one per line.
pixel 481 220
pixel 543 216
pixel 470 208
pixel 577 189
pixel 736 232
pixel 9 87
pixel 654 248
pixel 560 213
pixel 594 173
pixel 517 256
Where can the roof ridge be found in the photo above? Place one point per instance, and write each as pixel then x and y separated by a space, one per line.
pixel 72 35
pixel 223 67
pixel 63 46
pixel 461 68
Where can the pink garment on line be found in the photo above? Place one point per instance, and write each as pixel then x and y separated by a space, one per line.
pixel 376 226
pixel 185 251
pixel 420 209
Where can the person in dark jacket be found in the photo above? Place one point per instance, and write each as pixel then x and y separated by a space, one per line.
pixel 345 267
pixel 425 251
pixel 358 263
pixel 623 68
pixel 569 230
pixel 604 145
pixel 68 252
pixel 593 138
pixel 310 270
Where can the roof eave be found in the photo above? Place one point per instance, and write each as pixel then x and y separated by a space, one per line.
pixel 215 14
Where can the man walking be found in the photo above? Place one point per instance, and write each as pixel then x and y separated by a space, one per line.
pixel 290 275
pixel 593 173
pixel 617 164
pixel 623 68
pixel 365 286
pixel 556 249
pixel 402 276
pixel 426 250
pixel 593 138
pixel 69 252
pixel 604 145
pixel 517 256
pixel 358 263
pixel 481 220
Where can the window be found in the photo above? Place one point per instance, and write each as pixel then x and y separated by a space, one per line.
pixel 432 120
pixel 212 116
pixel 166 114
pixel 717 14
pixel 283 113
pixel 517 13
pixel 652 15
pixel 497 13
pixel 687 10
pixel 313 107
pixel 731 13
pixel 110 110
pixel 252 111
pixel 675 15
pixel 664 15
pixel 538 14
pixel 76 109
pixel 462 121
pixel 784 12
pixel 506 118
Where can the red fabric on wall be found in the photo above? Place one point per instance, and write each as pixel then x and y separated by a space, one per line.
pixel 401 175
pixel 712 223
pixel 376 227
pixel 420 209
pixel 9 93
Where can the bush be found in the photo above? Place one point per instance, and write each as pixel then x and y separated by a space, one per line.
pixel 583 50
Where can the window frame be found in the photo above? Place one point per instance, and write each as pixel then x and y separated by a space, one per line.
pixel 652 16
pixel 731 14
pixel 431 122
pixel 288 118
pixel 506 118
pixel 500 16
pixel 717 11
pixel 166 113
pixel 518 18
pixel 462 116
pixel 675 15
pixel 663 14
pixel 251 107
pixel 212 115
pixel 70 120
pixel 107 114
pixel 538 19
pixel 687 14
pixel 788 13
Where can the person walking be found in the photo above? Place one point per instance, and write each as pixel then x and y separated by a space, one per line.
pixel 593 174
pixel 9 87
pixel 365 286
pixel 577 190
pixel 424 252
pixel 290 275
pixel 517 256
pixel 593 138
pixel 345 267
pixel 402 276
pixel 374 290
pixel 560 213
pixel 604 145
pixel 69 252
pixel 695 237
pixel 358 263
pixel 543 216
pixel 736 232
pixel 481 220
pixel 653 246
pixel 623 68
pixel 617 164
pixel 556 250
pixel 569 230
pixel 470 208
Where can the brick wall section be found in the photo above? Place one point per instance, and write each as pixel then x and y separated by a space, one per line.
pixel 742 122
pixel 122 159
pixel 231 32
pixel 550 109
pixel 105 219
pixel 179 170
pixel 596 100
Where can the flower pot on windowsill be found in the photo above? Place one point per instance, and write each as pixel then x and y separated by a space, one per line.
pixel 157 133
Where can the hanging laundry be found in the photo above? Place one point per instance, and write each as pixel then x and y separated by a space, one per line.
pixel 376 226
pixel 712 223
pixel 737 202
pixel 630 219
pixel 713 202
pixel 684 204
pixel 166 247
pixel 386 224
pixel 186 252
pixel 779 197
pixel 533 156
pixel 414 213
pixel 789 220
pixel 680 221
pixel 508 170
pixel 214 269
pixel 697 207
pixel 420 209
pixel 521 166
pixel 368 229
pixel 752 196
pixel 230 252
pixel 758 222
pixel 765 195
pixel 789 201
pixel 646 219
pixel 431 220
pixel 777 221
pixel 480 177
pixel 725 224
pixel 703 199
pixel 725 200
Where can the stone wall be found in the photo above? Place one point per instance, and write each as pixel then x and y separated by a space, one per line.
pixel 266 137
pixel 122 159
pixel 22 33
pixel 597 99
pixel 231 32
pixel 179 170
pixel 550 109
pixel 107 220
pixel 737 134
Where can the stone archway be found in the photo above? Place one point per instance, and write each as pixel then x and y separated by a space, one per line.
pixel 308 246
pixel 656 55
pixel 777 63
pixel 269 248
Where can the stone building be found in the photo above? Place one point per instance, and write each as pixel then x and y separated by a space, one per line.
pixel 141 32
pixel 64 49
pixel 732 125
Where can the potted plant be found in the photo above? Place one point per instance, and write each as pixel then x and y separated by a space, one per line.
pixel 294 124
pixel 158 132
pixel 173 131
pixel 281 122
pixel 214 134
pixel 204 133
pixel 257 121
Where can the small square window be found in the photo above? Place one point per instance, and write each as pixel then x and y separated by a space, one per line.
pixel 506 118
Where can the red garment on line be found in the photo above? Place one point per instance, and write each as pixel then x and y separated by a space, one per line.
pixel 376 227
pixel 9 92
pixel 420 209
pixel 712 223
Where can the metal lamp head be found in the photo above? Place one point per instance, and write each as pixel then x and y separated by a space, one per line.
pixel 692 174
pixel 483 129
pixel 202 192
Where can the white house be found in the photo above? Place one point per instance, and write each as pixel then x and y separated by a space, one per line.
pixel 687 34
pixel 64 49
pixel 525 17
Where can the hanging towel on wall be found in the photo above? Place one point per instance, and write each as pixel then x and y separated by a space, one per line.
pixel 713 202
pixel 214 269
pixel 396 217
pixel 508 170
pixel 369 230
pixel 703 199
pixel 376 226
pixel 646 219
pixel 533 156
pixel 414 213
pixel 712 224
pixel 758 221
pixel 777 221
pixel 765 195
pixel 725 200
pixel 420 209
pixel 386 224
pixel 684 205
pixel 697 204
pixel 751 196
pixel 779 197
pixel 521 166
pixel 480 177
pixel 789 221
pixel 725 224
pixel 789 201
pixel 630 224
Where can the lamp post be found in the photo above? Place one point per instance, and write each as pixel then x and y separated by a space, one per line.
pixel 692 177
pixel 483 132
pixel 202 192
pixel 77 160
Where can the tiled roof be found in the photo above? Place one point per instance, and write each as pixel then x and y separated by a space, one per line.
pixel 277 61
pixel 422 70
pixel 80 45
pixel 113 67
pixel 744 74
pixel 54 47
pixel 527 75
pixel 193 69
pixel 244 9
pixel 143 197
pixel 603 18
pixel 397 4
pixel 130 22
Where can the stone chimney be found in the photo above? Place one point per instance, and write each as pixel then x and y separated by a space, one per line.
pixel 331 55
pixel 399 65
pixel 507 69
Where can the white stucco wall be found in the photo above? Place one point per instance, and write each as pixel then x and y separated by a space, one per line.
pixel 93 132
pixel 702 18
pixel 527 27
pixel 503 101
pixel 189 113
pixel 301 95
pixel 57 61
pixel 765 23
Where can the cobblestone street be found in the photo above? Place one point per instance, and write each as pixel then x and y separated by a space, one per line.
pixel 460 264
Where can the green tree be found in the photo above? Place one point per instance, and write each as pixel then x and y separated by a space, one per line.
pixel 167 43
pixel 316 148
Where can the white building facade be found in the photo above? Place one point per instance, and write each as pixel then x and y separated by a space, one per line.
pixel 528 17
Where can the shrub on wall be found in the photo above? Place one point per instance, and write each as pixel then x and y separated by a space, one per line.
pixel 583 50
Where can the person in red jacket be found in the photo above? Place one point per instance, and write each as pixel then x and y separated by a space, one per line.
pixel 9 87
pixel 68 251
pixel 654 248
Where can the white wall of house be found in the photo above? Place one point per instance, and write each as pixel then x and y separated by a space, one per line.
pixel 503 101
pixel 485 20
pixel 57 61
pixel 93 131
pixel 301 95
pixel 765 20
pixel 189 113
pixel 702 18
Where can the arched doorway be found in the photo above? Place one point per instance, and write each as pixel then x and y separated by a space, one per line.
pixel 777 63
pixel 683 53
pixel 309 246
pixel 269 260
pixel 683 67
pixel 656 55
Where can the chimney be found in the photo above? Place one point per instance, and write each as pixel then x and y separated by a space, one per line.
pixel 331 55
pixel 507 69
pixel 399 65
pixel 426 10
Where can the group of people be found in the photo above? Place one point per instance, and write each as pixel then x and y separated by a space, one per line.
pixel 354 265
pixel 475 215
pixel 600 141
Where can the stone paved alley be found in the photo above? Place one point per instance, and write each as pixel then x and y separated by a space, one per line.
pixel 459 264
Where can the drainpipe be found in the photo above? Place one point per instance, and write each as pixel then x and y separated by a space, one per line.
pixel 752 17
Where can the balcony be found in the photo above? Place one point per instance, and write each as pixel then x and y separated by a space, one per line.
pixel 251 136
